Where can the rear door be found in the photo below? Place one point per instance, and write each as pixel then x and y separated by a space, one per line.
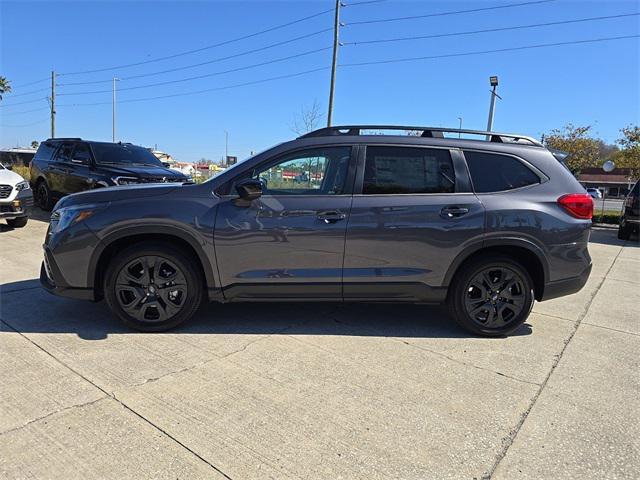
pixel 412 214
pixel 58 169
pixel 79 176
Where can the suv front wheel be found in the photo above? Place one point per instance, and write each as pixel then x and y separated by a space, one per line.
pixel 152 287
pixel 491 296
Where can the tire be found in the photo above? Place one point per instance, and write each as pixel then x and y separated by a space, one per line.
pixel 17 222
pixel 491 296
pixel 135 295
pixel 43 196
pixel 624 232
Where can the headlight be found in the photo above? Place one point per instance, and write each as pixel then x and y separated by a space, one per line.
pixel 125 180
pixel 63 218
pixel 22 186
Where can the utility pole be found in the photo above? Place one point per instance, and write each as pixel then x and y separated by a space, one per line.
pixel 334 64
pixel 493 80
pixel 52 104
pixel 113 111
pixel 459 127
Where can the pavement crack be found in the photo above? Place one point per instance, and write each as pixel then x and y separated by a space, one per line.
pixel 461 362
pixel 51 414
pixel 510 438
pixel 123 404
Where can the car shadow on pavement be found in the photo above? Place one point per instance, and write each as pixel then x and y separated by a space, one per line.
pixel 27 308
pixel 609 236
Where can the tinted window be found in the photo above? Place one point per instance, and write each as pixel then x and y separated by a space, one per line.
pixel 495 173
pixel 393 170
pixel 114 153
pixel 320 171
pixel 45 151
pixel 82 154
pixel 64 152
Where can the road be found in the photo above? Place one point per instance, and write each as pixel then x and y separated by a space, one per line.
pixel 319 391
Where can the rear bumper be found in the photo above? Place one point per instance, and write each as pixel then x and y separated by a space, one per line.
pixel 566 286
pixel 52 280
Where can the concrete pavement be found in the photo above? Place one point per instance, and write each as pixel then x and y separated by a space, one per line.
pixel 319 391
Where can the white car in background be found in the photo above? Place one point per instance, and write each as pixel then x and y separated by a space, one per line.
pixel 16 198
pixel 594 192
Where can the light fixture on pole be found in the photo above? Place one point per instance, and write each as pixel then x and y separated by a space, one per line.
pixel 493 81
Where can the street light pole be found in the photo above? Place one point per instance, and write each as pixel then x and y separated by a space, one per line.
pixel 334 63
pixel 460 127
pixel 493 80
pixel 113 111
pixel 226 148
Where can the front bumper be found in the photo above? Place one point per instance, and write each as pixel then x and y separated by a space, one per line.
pixel 52 280
pixel 20 206
pixel 566 286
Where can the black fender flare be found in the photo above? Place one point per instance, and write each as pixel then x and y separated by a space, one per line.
pixel 497 242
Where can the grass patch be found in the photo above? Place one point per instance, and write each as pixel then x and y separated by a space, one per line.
pixel 24 172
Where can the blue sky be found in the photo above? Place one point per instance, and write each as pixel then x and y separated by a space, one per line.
pixel 542 89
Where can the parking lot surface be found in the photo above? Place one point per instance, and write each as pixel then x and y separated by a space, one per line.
pixel 322 391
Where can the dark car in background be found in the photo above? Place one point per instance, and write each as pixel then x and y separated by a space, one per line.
pixel 630 219
pixel 69 165
pixel 339 214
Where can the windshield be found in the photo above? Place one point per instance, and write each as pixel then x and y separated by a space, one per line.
pixel 123 154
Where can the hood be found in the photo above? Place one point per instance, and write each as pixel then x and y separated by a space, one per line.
pixel 7 177
pixel 143 171
pixel 114 194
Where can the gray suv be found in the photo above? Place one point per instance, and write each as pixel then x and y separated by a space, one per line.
pixel 484 225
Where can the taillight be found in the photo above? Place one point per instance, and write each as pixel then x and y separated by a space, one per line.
pixel 578 205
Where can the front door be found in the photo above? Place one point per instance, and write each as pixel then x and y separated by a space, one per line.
pixel 79 176
pixel 412 214
pixel 289 243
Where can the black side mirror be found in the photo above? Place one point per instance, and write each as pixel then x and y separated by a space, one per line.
pixel 249 189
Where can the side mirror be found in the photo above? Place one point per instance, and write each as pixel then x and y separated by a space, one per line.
pixel 249 189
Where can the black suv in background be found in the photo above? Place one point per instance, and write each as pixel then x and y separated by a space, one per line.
pixel 69 165
pixel 630 219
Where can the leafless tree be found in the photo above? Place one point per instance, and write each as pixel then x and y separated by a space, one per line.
pixel 307 119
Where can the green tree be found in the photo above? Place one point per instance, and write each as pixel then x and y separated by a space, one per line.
pixel 629 154
pixel 5 86
pixel 35 144
pixel 583 149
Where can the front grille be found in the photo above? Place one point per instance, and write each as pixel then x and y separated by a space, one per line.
pixel 5 191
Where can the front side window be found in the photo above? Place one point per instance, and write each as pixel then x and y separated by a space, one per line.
pixel 82 154
pixel 492 172
pixel 407 170
pixel 319 171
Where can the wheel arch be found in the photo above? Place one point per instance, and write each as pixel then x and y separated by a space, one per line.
pixel 529 254
pixel 116 242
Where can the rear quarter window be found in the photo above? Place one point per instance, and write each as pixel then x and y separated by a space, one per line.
pixel 491 172
pixel 45 151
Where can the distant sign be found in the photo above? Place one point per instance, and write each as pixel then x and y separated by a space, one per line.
pixel 231 160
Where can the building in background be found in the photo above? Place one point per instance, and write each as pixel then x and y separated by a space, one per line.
pixel 18 156
pixel 166 159
pixel 616 183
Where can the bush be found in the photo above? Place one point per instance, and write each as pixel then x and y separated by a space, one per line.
pixel 23 172
pixel 608 217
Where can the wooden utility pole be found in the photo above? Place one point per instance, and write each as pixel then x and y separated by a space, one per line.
pixel 334 64
pixel 52 104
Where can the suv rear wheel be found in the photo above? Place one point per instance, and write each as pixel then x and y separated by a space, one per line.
pixel 491 296
pixel 152 287
pixel 43 196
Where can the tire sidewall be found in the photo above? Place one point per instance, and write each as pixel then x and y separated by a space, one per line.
pixel 456 301
pixel 184 262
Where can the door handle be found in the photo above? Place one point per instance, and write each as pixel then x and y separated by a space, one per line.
pixel 452 212
pixel 331 216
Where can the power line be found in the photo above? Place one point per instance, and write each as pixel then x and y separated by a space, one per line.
pixel 269 62
pixel 489 30
pixel 21 103
pixel 481 52
pixel 30 83
pixel 454 12
pixel 26 124
pixel 196 50
pixel 226 87
pixel 11 95
pixel 4 114
pixel 220 59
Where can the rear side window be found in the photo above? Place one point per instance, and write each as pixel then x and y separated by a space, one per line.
pixel 45 151
pixel 406 170
pixel 491 172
